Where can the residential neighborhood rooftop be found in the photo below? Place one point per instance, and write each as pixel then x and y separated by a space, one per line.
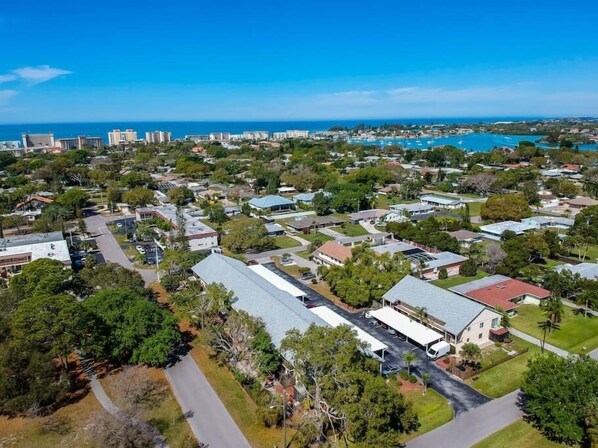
pixel 279 310
pixel 499 290
pixel 588 271
pixel 454 310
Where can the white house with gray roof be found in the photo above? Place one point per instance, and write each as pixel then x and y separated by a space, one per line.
pixel 589 271
pixel 459 319
pixel 278 309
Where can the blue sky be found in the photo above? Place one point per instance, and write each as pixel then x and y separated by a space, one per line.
pixel 92 60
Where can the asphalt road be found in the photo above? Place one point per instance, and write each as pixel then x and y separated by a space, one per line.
pixel 209 420
pixel 111 251
pixel 472 426
pixel 461 397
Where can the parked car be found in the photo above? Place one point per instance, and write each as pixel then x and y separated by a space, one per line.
pixel 119 225
pixel 392 331
pixel 311 305
pixel 140 249
pixel 308 276
pixel 390 369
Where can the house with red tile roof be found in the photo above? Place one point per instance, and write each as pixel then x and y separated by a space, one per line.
pixel 501 291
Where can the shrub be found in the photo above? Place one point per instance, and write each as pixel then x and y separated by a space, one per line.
pixel 57 425
pixel 443 274
pixel 412 379
pixel 468 269
pixel 170 282
pixel 270 417
pixel 404 374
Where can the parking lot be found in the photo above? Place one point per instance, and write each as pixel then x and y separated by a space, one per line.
pixel 460 396
pixel 151 253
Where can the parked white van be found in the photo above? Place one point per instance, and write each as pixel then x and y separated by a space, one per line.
pixel 439 349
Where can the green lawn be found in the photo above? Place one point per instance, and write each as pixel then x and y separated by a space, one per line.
pixel 474 208
pixel 432 409
pixel 577 334
pixel 519 434
pixel 505 377
pixel 458 280
pixel 304 253
pixel 591 255
pixel 285 242
pixel 351 229
pixel 312 236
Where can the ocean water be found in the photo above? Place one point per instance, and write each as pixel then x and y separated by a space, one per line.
pixel 473 142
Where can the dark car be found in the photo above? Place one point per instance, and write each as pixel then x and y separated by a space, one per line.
pixel 311 305
pixel 390 369
pixel 308 276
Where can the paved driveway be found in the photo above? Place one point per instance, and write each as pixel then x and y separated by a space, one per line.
pixel 459 395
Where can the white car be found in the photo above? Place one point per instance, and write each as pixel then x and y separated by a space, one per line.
pixel 119 225
pixel 140 249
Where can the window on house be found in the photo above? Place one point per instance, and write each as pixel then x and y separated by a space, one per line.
pixel 481 324
pixel 467 339
pixel 495 322
pixel 480 336
pixel 468 328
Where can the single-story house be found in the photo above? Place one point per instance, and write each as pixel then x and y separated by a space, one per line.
pixel 373 239
pixel 548 200
pixel 367 215
pixel 404 212
pixel 466 237
pixel 32 206
pixel 278 309
pixel 287 190
pixel 589 271
pixel 543 222
pixel 307 198
pixel 496 230
pixel 580 202
pixel 274 229
pixel 501 291
pixel 332 254
pixel 458 318
pixel 305 225
pixel 271 203
pixel 441 202
pixel 424 261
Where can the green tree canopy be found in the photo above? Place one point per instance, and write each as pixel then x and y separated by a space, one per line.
pixel 505 207
pixel 134 329
pixel 557 392
pixel 246 233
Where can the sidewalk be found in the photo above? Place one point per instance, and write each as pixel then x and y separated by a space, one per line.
pixel 533 340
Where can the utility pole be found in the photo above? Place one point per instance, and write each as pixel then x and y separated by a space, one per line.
pixel 157 262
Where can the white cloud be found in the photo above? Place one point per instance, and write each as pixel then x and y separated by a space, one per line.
pixel 8 77
pixel 39 74
pixel 6 94
pixel 355 93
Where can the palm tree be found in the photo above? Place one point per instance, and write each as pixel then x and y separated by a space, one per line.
pixel 470 353
pixel 425 380
pixel 409 359
pixel 553 309
pixel 505 320
pixel 421 313
pixel 547 325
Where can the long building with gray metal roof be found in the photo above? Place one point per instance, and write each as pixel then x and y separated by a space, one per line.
pixel 279 310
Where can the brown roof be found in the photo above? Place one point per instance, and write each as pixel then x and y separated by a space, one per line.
pixel 501 294
pixel 463 235
pixel 318 220
pixel 334 250
pixel 583 201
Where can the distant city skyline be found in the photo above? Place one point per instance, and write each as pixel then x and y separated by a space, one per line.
pixel 251 61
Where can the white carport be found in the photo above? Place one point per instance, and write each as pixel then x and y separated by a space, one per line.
pixel 412 329
pixel 277 281
pixel 334 319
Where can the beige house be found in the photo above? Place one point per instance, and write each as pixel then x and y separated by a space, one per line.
pixel 458 319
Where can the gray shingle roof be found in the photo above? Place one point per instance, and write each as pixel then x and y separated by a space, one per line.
pixel 479 284
pixel 585 270
pixel 455 311
pixel 279 310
